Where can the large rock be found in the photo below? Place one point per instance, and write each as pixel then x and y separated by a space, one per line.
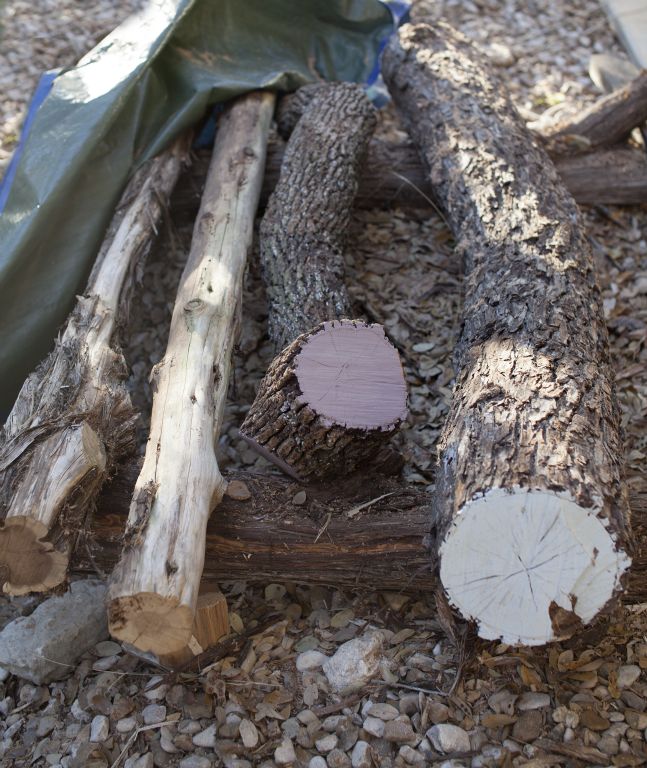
pixel 355 662
pixel 45 645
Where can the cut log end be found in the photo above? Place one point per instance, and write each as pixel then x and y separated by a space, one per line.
pixel 29 563
pixel 350 375
pixel 151 622
pixel 530 554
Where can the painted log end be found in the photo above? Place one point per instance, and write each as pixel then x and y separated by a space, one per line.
pixel 530 567
pixel 28 562
pixel 150 622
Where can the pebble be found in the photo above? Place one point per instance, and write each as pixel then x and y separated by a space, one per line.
pixel 126 725
pixel 383 711
pixel 338 759
pixel 399 731
pixel 361 755
pixel 411 756
pixel 206 738
pixel 532 700
pixel 153 713
pixel 309 660
pixel 99 729
pixel 502 702
pixel 355 662
pixel 500 55
pixel 46 725
pixel 326 743
pixel 449 738
pixel 608 745
pixel 438 712
pixel 284 754
pixel 528 726
pixel 374 726
pixel 317 762
pixel 248 733
pixel 107 648
pixel 409 703
pixel 237 490
pixel 195 761
pixel 299 498
pixel 627 675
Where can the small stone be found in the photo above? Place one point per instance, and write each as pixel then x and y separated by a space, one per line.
pixel 317 762
pixel 275 591
pixel 528 726
pixel 107 648
pixel 155 692
pixel 195 761
pixel 532 700
pixel 382 710
pixel 399 731
pixel 154 713
pixel 338 759
pixel 409 703
pixel 438 712
pixel 589 718
pixel 43 646
pixel 126 725
pixel 608 745
pixel 326 743
pixel 248 733
pixel 206 738
pixel 500 55
pixel 361 755
pixel 627 675
pixel 310 694
pixel 299 498
pixel 637 720
pixel 374 726
pixel 306 643
pixel 99 729
pixel 237 490
pixel 355 662
pixel 45 726
pixel 411 756
pixel 310 660
pixel 284 754
pixel 144 761
pixel 449 738
pixel 502 702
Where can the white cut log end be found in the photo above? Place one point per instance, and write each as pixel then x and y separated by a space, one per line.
pixel 150 622
pixel 350 374
pixel 523 564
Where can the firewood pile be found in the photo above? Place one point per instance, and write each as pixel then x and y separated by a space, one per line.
pixel 528 529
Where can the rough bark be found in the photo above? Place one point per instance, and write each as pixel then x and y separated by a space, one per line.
pixel 532 518
pixel 329 401
pixel 73 419
pixel 265 536
pixel 607 122
pixel 304 229
pixel 154 590
pixel 329 538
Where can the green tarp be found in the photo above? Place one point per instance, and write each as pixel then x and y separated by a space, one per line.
pixel 147 81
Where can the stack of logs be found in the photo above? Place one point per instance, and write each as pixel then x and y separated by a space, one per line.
pixel 529 523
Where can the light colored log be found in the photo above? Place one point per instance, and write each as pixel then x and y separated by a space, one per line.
pixel 154 589
pixel 73 419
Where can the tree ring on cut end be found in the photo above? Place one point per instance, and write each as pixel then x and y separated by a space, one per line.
pixel 511 558
pixel 350 374
pixel 28 562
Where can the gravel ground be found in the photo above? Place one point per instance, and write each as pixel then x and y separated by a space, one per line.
pixel 438 696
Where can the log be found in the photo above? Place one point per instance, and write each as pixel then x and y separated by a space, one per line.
pixel 336 392
pixel 607 122
pixel 262 536
pixel 610 177
pixel 531 510
pixel 73 419
pixel 154 589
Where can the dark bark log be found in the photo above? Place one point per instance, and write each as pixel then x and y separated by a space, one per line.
pixel 611 177
pixel 532 517
pixel 267 537
pixel 607 122
pixel 73 419
pixel 329 401
pixel 304 229
pixel 334 395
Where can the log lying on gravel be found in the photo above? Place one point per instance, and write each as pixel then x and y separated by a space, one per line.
pixel 154 590
pixel 73 419
pixel 531 510
pixel 336 392
pixel 607 122
pixel 329 539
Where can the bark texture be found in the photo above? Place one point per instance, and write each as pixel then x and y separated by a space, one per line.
pixel 154 590
pixel 305 225
pixel 534 406
pixel 314 432
pixel 607 122
pixel 73 419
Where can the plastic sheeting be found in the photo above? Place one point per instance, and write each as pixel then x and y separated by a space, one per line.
pixel 143 84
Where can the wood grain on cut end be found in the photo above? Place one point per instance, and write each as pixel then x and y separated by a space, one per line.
pixel 350 374
pixel 329 401
pixel 150 622
pixel 521 562
pixel 28 563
